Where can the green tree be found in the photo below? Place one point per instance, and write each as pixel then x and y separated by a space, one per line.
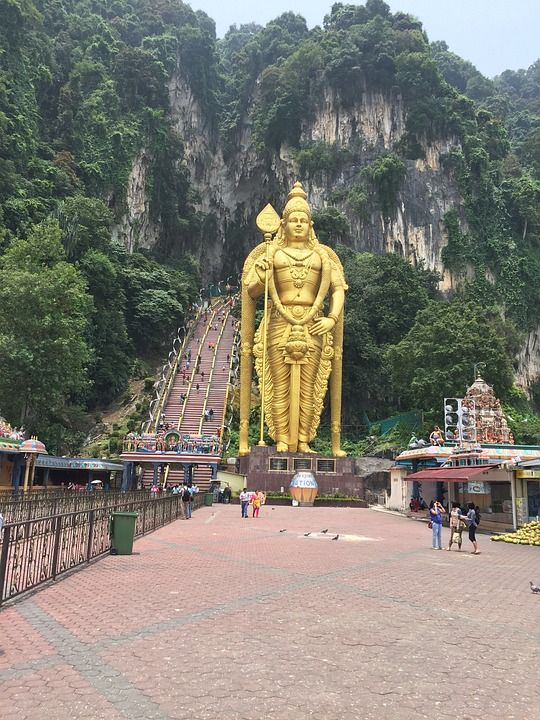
pixel 43 326
pixel 436 357
pixel 385 293
pixel 157 296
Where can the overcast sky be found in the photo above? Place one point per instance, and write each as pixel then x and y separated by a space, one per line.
pixel 494 35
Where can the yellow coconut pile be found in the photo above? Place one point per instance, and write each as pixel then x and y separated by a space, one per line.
pixel 529 534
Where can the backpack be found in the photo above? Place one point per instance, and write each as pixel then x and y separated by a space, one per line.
pixel 186 496
pixel 477 517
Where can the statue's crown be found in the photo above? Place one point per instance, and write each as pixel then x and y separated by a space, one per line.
pixel 297 192
pixel 297 201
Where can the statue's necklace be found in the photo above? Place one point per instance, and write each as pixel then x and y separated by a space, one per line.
pixel 299 268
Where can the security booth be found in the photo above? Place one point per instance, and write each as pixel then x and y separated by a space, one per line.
pixel 528 489
pixel 490 487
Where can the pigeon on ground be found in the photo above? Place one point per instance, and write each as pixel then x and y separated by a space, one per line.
pixel 307 534
pixel 534 588
pixel 335 537
pixel 284 530
pixel 324 531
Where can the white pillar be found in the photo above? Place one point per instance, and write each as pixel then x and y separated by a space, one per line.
pixel 513 496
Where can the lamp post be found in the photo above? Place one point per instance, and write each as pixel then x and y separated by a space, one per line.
pixel 31 449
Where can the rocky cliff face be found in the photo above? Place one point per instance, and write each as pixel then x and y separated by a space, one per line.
pixel 415 230
pixel 135 229
pixel 528 361
pixel 231 193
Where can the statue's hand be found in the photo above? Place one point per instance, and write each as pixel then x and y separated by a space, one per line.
pixel 261 266
pixel 322 325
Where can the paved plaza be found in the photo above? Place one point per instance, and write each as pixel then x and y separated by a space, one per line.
pixel 220 617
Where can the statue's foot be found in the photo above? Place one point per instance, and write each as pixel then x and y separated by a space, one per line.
pixel 338 452
pixel 304 447
pixel 282 447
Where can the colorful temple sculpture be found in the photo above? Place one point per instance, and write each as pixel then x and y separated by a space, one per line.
pixel 491 425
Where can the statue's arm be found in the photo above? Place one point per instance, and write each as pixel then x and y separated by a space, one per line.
pixel 337 300
pixel 255 277
pixel 337 293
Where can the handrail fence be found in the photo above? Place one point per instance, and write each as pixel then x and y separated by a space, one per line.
pixel 40 549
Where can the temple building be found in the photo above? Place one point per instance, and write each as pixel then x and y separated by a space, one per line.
pixel 484 406
pixel 502 479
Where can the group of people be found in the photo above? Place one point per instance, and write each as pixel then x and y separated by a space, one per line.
pixel 459 520
pixel 224 495
pixel 187 493
pixel 417 504
pixel 255 499
pixel 436 438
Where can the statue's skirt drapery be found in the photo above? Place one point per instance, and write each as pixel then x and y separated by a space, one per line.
pixel 292 350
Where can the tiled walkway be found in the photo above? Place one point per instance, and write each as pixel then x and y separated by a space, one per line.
pixel 219 617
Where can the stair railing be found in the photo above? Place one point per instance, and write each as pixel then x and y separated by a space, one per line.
pixel 212 369
pixel 164 384
pixel 228 409
pixel 214 309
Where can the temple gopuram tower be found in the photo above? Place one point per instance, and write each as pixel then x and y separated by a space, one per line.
pixel 491 425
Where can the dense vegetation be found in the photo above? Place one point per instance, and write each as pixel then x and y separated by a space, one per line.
pixel 84 93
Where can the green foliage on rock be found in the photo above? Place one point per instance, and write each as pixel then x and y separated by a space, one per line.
pixel 436 357
pixel 384 296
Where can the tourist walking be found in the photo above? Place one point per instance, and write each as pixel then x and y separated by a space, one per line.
pixel 435 516
pixel 473 518
pixel 187 499
pixel 256 504
pixel 457 523
pixel 244 502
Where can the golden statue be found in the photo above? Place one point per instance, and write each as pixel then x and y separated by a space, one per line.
pixel 298 346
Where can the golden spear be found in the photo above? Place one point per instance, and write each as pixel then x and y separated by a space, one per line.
pixel 268 223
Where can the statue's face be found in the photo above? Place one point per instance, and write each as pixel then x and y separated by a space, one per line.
pixel 297 226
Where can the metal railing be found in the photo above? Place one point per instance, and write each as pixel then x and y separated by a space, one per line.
pixel 41 549
pixel 162 386
pixel 28 507
pixel 187 443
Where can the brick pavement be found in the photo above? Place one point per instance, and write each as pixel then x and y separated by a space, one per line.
pixel 225 618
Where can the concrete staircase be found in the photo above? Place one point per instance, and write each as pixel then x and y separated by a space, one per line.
pixel 205 383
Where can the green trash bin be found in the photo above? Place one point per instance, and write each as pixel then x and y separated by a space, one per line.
pixel 208 498
pixel 122 531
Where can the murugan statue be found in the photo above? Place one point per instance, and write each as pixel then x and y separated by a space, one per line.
pixel 298 345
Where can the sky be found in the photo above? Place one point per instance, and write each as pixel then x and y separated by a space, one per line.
pixel 495 35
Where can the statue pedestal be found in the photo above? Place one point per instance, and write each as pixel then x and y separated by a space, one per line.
pixel 266 469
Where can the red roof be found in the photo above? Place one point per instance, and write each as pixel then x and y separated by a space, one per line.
pixel 451 474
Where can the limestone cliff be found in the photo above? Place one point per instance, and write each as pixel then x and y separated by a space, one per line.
pixel 135 228
pixel 228 194
pixel 231 193
pixel 528 361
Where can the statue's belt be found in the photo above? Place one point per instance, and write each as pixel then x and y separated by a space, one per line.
pixel 295 311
